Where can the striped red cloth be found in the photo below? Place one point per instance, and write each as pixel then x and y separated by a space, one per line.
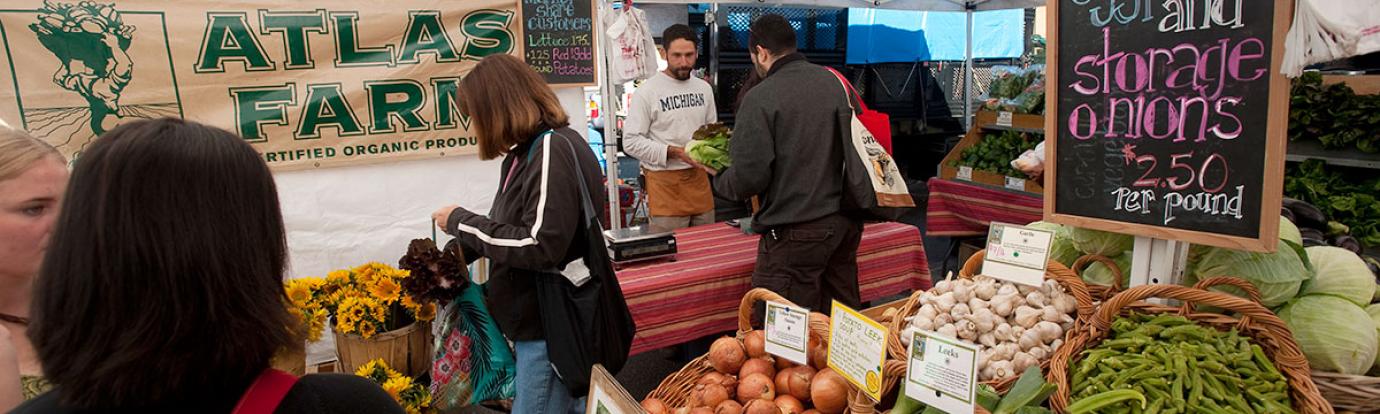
pixel 698 294
pixel 959 209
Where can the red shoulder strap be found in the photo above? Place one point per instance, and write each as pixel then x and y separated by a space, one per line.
pixel 266 392
pixel 849 86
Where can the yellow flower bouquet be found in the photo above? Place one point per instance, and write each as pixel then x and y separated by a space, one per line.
pixel 369 299
pixel 413 396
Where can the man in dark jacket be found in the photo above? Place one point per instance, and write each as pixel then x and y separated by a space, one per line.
pixel 787 147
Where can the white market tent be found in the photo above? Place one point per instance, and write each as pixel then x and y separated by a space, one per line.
pixel 968 6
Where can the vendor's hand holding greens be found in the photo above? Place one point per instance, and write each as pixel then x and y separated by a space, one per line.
pixel 710 146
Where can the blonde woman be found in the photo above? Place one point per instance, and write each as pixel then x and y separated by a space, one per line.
pixel 33 177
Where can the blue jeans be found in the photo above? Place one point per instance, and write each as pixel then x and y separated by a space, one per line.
pixel 539 391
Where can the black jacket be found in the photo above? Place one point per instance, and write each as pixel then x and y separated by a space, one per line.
pixel 531 230
pixel 787 145
pixel 312 394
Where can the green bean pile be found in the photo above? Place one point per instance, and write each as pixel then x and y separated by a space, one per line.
pixel 1169 364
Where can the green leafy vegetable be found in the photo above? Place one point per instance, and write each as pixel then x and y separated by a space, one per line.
pixel 710 146
pixel 995 152
pixel 1333 115
pixel 1349 199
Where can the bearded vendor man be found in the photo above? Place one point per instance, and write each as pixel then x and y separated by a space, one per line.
pixel 664 114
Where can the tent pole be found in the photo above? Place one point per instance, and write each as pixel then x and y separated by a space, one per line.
pixel 713 46
pixel 607 110
pixel 968 73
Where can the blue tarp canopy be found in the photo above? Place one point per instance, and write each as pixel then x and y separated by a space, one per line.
pixel 888 36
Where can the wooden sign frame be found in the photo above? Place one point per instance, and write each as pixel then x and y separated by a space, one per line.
pixel 595 43
pixel 618 402
pixel 1275 148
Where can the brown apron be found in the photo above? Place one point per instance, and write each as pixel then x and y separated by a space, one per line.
pixel 678 193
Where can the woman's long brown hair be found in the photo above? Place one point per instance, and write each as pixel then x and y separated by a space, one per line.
pixel 508 103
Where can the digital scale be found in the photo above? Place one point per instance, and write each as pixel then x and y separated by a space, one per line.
pixel 636 244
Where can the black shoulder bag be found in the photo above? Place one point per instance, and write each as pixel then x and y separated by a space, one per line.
pixel 589 324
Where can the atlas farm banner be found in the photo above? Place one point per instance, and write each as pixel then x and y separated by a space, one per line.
pixel 308 83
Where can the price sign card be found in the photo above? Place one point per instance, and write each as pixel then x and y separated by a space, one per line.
pixel 607 396
pixel 857 349
pixel 965 173
pixel 942 372
pixel 788 332
pixel 1004 119
pixel 1017 254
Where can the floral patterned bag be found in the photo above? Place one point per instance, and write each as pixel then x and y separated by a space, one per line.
pixel 473 363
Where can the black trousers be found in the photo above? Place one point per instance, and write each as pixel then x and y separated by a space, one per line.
pixel 812 263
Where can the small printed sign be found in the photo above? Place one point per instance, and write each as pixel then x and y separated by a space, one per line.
pixel 607 396
pixel 857 349
pixel 1004 118
pixel 1014 183
pixel 1017 254
pixel 965 173
pixel 788 332
pixel 942 372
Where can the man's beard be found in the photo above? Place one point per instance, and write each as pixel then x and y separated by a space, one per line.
pixel 681 74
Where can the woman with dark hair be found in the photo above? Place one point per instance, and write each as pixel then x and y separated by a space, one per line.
pixel 33 176
pixel 162 287
pixel 531 231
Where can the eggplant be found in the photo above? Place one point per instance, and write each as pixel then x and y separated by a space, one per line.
pixel 1308 242
pixel 1312 233
pixel 1306 215
pixel 1288 214
pixel 1347 242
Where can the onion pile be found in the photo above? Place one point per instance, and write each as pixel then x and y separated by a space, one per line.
pixel 746 380
pixel 1015 326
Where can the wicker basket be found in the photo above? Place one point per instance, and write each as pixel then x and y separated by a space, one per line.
pixel 675 389
pixel 1257 322
pixel 1100 293
pixel 896 347
pixel 1349 392
pixel 406 350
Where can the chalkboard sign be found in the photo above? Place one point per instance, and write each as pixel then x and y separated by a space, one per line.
pixel 559 40
pixel 1168 118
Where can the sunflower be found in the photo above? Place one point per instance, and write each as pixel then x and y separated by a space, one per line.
pixel 410 304
pixel 385 289
pixel 338 277
pixel 298 293
pixel 376 369
pixel 316 325
pixel 367 330
pixel 395 386
pixel 427 312
pixel 354 308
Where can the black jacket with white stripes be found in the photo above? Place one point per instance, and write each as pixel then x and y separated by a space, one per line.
pixel 533 228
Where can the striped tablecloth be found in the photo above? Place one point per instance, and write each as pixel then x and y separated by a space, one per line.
pixel 698 294
pixel 960 209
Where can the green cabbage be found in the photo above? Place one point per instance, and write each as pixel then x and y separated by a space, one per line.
pixel 1061 248
pixel 1277 275
pixel 1327 330
pixel 1098 273
pixel 1374 311
pixel 1340 272
pixel 1290 232
pixel 1101 243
